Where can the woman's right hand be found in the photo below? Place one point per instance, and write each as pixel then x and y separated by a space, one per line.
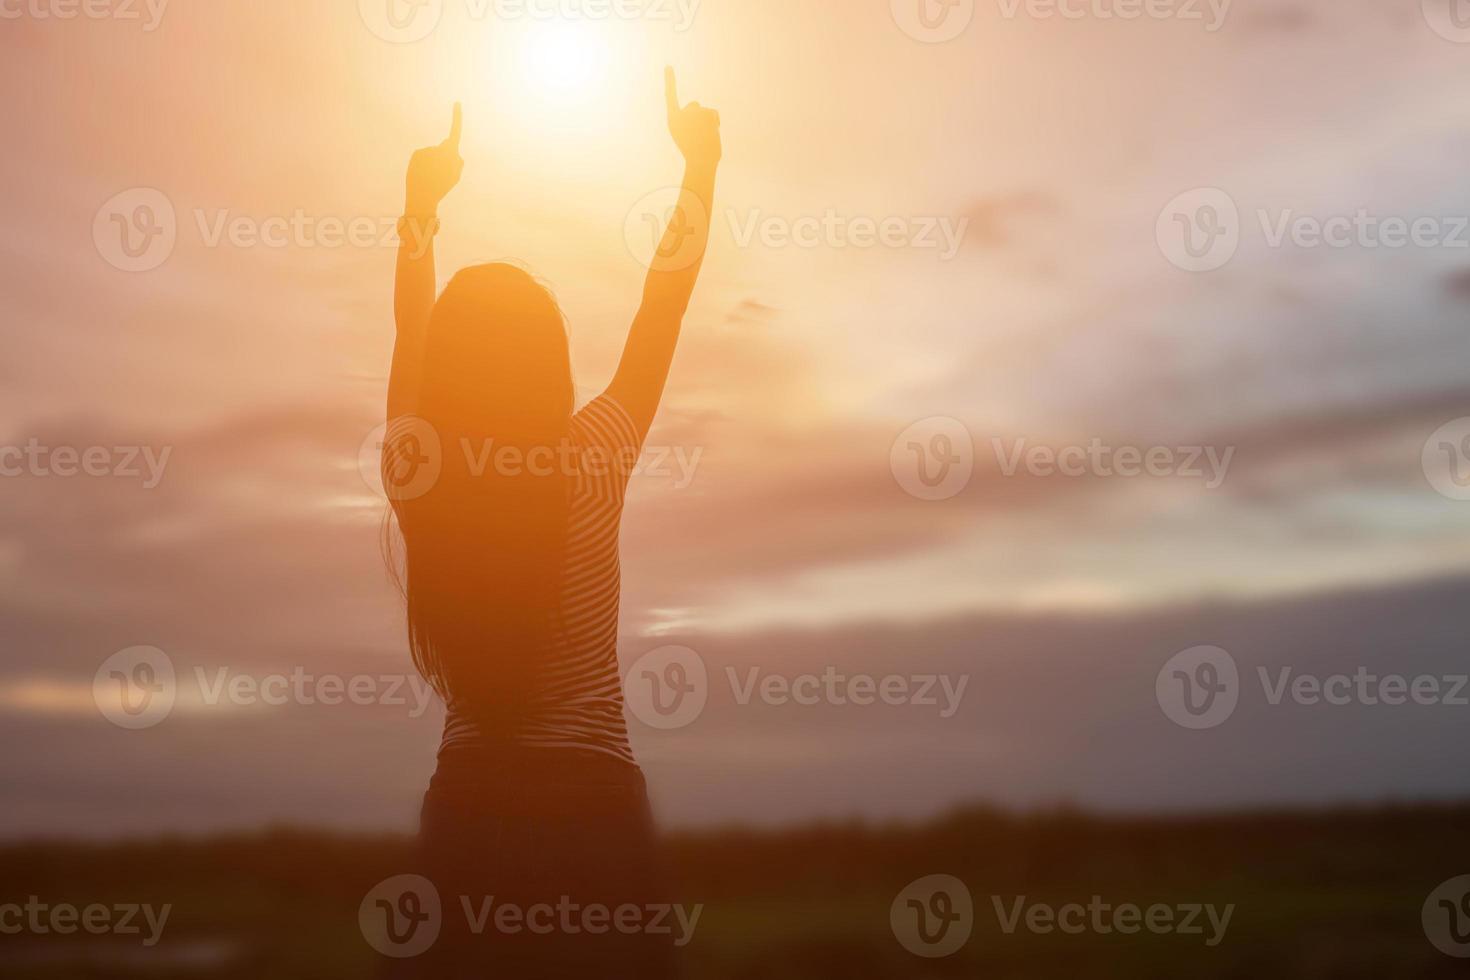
pixel 434 171
pixel 696 130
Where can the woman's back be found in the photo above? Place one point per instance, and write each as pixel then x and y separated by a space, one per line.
pixel 576 701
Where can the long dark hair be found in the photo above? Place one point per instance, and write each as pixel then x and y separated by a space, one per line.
pixel 484 546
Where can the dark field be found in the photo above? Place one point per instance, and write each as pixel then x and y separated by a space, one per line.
pixel 1316 894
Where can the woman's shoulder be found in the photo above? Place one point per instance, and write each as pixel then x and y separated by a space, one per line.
pixel 604 422
pixel 607 449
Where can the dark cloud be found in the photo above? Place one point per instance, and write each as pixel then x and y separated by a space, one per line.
pixel 1057 708
pixel 1348 433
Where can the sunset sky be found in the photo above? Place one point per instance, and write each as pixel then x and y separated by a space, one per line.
pixel 1053 143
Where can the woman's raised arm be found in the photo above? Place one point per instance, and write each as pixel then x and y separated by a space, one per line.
pixel 638 385
pixel 432 173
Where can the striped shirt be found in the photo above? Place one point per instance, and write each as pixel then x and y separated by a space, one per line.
pixel 580 701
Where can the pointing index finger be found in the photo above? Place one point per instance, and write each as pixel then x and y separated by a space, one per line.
pixel 456 127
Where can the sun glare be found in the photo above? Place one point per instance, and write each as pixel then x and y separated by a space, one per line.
pixel 561 82
pixel 564 62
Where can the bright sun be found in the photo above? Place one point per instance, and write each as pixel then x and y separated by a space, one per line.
pixel 563 79
pixel 564 62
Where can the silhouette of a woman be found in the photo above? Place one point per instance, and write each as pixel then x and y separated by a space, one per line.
pixel 508 503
